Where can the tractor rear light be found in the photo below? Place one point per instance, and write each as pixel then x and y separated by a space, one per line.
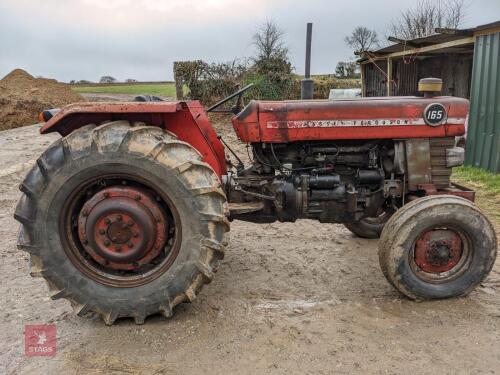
pixel 46 115
pixel 455 157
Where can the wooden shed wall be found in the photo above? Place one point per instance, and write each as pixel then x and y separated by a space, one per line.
pixel 454 69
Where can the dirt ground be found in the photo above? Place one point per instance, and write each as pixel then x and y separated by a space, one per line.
pixel 299 298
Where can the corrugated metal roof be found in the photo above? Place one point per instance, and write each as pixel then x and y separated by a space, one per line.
pixel 420 42
pixel 485 26
pixel 432 39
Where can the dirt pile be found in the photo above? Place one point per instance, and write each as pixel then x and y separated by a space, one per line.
pixel 22 97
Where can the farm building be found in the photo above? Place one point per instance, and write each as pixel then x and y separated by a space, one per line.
pixel 468 62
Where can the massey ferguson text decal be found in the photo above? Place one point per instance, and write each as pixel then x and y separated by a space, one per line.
pixel 298 124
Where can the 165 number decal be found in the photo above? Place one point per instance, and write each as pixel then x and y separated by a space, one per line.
pixel 435 114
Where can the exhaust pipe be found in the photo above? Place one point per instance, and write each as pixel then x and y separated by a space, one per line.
pixel 307 84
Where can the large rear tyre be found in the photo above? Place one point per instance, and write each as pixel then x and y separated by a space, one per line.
pixel 122 220
pixel 437 247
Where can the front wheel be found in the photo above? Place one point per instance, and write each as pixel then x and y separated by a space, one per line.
pixel 437 247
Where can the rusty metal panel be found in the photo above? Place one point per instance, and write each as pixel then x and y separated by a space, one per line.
pixel 375 81
pixel 483 136
pixel 405 75
pixel 418 162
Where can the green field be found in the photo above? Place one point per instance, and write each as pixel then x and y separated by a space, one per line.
pixel 163 89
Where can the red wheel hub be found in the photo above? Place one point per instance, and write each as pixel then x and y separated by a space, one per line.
pixel 122 227
pixel 438 250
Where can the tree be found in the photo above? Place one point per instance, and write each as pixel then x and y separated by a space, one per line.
pixel 269 42
pixel 351 69
pixel 340 70
pixel 347 69
pixel 426 16
pixel 107 79
pixel 362 39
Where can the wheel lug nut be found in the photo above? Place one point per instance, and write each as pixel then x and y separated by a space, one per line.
pixel 119 218
pixel 107 221
pixel 106 195
pixel 107 243
pixel 102 231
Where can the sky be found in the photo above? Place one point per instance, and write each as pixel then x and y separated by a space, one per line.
pixel 140 39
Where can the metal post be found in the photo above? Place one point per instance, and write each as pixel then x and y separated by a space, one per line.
pixel 389 77
pixel 362 68
pixel 307 87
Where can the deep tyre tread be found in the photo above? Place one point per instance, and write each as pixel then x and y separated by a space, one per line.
pixel 402 229
pixel 197 189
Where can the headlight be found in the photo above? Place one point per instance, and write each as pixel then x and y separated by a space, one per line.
pixel 455 157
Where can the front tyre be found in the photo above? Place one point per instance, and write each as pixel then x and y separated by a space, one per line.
pixel 122 220
pixel 437 247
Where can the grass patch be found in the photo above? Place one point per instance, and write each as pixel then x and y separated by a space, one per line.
pixel 162 89
pixel 487 187
pixel 487 181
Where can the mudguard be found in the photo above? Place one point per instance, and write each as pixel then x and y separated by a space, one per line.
pixel 187 120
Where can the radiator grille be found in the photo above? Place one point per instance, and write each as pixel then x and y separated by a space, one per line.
pixel 440 173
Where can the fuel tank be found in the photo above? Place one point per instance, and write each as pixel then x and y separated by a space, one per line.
pixel 366 118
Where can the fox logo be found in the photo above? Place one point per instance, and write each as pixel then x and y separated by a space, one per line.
pixel 42 337
pixel 40 340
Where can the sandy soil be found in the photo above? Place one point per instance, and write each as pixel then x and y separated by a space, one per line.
pixel 299 298
pixel 23 97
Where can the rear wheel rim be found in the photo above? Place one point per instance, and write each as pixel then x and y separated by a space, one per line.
pixel 441 254
pixel 120 231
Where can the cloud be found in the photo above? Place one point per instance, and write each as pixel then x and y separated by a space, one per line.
pixel 84 39
pixel 134 15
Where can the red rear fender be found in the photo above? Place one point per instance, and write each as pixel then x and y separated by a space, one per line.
pixel 187 120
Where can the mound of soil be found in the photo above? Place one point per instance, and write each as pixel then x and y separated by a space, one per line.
pixel 23 97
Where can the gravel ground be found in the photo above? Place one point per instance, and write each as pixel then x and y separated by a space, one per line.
pixel 288 299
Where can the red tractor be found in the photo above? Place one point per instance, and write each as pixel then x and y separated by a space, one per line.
pixel 125 215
